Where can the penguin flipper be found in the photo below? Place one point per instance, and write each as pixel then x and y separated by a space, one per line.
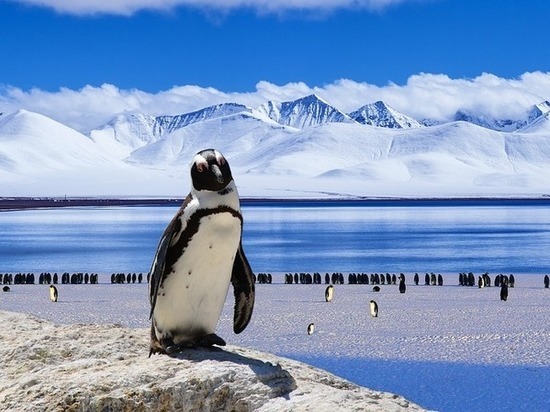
pixel 159 262
pixel 242 279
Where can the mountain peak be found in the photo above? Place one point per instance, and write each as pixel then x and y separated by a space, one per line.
pixel 505 125
pixel 381 115
pixel 172 123
pixel 306 111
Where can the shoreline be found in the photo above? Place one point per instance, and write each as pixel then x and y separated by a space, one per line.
pixel 21 203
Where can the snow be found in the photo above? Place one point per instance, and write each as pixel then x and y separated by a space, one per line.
pixel 446 348
pixel 381 115
pixel 304 148
pixel 305 112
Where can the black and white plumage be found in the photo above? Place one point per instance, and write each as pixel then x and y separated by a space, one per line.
pixel 53 293
pixel 373 308
pixel 402 285
pixel 504 291
pixel 329 293
pixel 311 328
pixel 199 255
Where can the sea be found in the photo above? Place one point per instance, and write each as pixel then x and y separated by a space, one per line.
pixel 509 237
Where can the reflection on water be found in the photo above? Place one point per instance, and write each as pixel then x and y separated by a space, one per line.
pixel 281 238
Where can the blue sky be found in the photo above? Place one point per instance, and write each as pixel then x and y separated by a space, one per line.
pixel 234 49
pixel 229 49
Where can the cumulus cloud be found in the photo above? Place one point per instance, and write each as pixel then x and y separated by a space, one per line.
pixel 424 95
pixel 129 7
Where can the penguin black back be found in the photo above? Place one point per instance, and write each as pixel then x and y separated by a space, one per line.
pixel 402 286
pixel 504 291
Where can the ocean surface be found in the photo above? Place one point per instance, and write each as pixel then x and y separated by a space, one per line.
pixel 294 237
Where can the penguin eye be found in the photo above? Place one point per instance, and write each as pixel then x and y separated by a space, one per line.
pixel 220 159
pixel 202 166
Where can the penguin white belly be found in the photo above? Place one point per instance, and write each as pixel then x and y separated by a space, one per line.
pixel 192 298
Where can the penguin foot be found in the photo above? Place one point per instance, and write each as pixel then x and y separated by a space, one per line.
pixel 210 340
pixel 168 347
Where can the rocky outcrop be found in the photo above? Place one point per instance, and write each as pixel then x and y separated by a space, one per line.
pixel 48 367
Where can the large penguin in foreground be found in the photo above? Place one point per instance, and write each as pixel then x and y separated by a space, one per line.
pixel 198 255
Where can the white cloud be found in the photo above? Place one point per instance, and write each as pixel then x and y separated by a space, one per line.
pixel 435 96
pixel 128 7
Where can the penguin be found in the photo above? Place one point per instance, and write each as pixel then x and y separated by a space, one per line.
pixel 310 328
pixel 199 254
pixel 329 293
pixel 373 309
pixel 504 291
pixel 6 289
pixel 402 286
pixel 376 289
pixel 53 293
pixel 480 282
pixel 546 281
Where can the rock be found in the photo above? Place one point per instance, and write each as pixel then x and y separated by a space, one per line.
pixel 49 367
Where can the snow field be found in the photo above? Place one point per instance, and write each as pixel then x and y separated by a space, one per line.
pixel 447 348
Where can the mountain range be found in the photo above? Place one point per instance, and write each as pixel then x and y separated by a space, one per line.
pixel 300 148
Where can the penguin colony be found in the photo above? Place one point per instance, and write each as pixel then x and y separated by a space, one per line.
pixel 464 279
pixel 336 278
pixel 76 278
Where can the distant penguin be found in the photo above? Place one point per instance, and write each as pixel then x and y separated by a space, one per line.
pixel 503 291
pixel 480 282
pixel 310 328
pixel 373 308
pixel 329 293
pixel 402 286
pixel 53 293
pixel 199 255
pixel 546 281
pixel 6 289
pixel 416 279
pixel 376 289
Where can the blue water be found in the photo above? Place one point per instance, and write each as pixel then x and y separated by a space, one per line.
pixel 294 237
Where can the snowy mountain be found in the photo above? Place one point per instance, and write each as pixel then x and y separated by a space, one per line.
pixel 505 125
pixel 381 115
pixel 172 123
pixel 540 124
pixel 233 134
pixel 128 132
pixel 305 112
pixel 539 110
pixel 30 141
pixel 275 152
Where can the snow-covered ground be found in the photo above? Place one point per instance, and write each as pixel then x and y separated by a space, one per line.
pixel 447 348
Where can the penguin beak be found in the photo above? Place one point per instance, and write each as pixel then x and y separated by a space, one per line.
pixel 217 172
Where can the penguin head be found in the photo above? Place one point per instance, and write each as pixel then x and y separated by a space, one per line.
pixel 210 171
